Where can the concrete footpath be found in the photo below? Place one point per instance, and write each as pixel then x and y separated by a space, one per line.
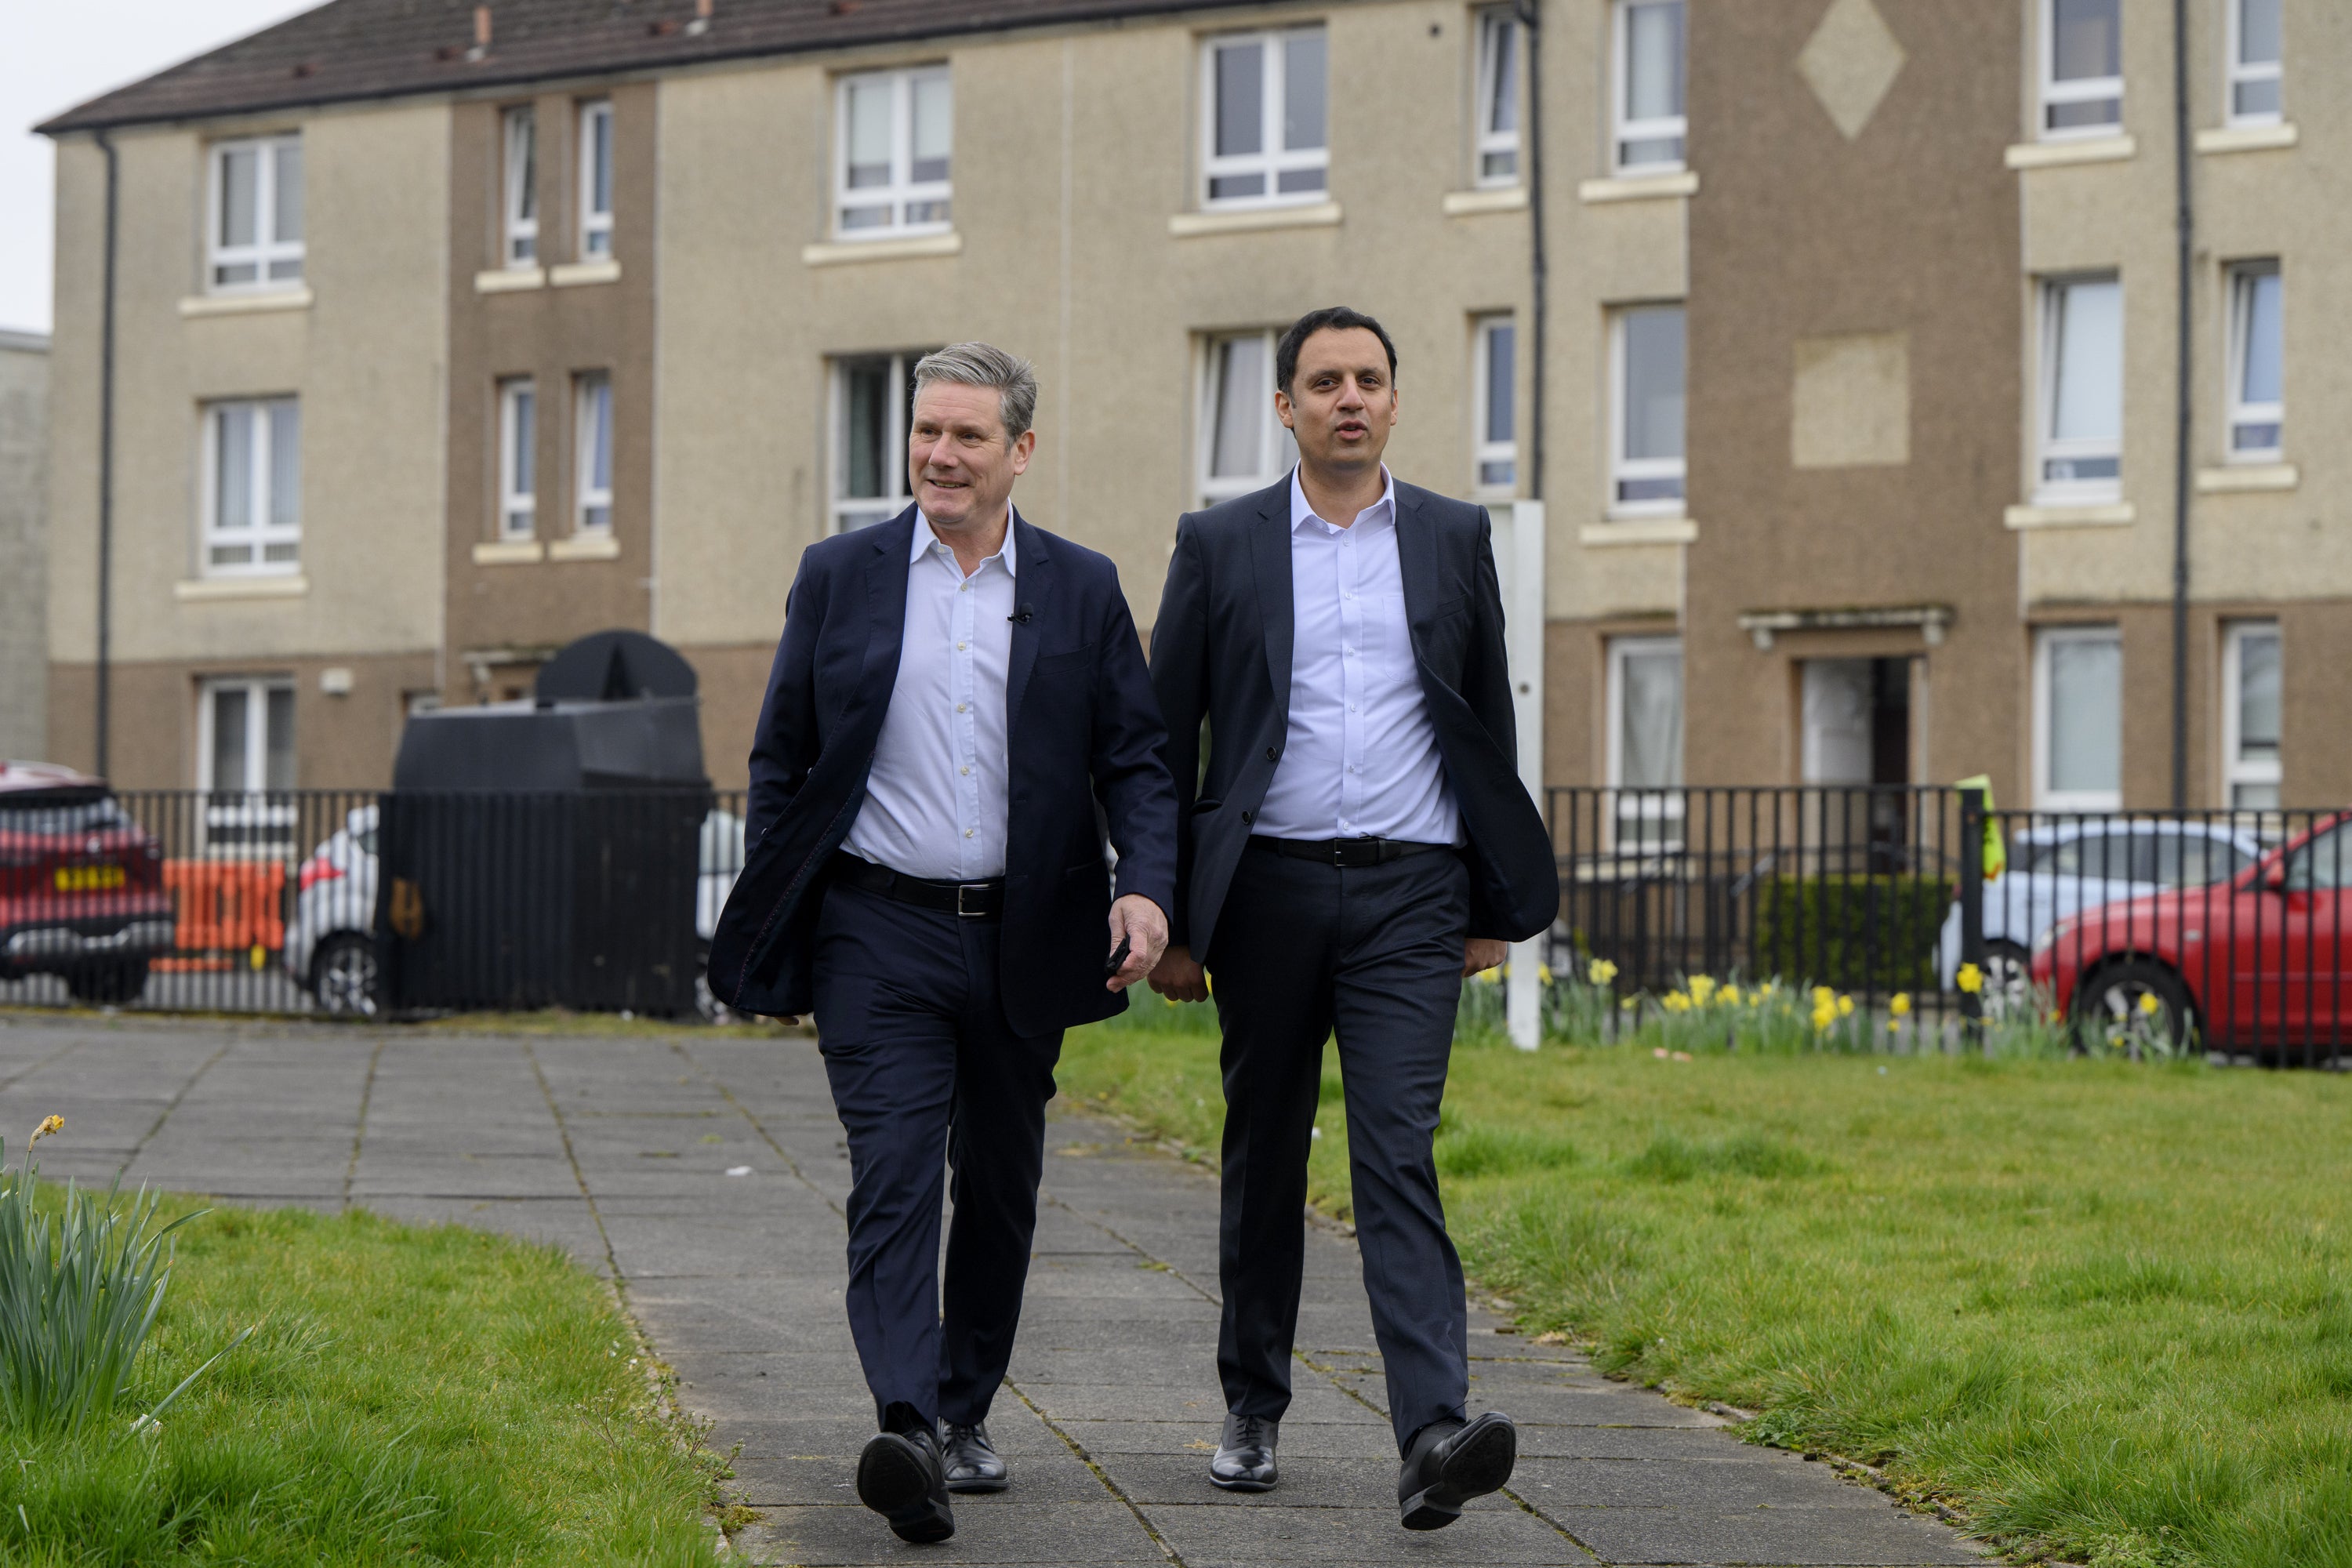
pixel 707 1174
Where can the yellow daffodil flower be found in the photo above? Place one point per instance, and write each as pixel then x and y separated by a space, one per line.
pixel 1899 1004
pixel 1845 1007
pixel 1971 979
pixel 1603 972
pixel 2150 1005
pixel 1701 988
pixel 48 1124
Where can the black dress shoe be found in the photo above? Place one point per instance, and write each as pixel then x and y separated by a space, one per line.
pixel 970 1458
pixel 899 1477
pixel 1244 1456
pixel 1450 1463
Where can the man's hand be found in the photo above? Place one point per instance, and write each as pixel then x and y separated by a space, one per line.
pixel 1145 927
pixel 1481 953
pixel 1177 978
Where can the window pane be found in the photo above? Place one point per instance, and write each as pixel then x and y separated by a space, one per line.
pixel 1654 60
pixel 1498 74
pixel 240 176
pixel 287 195
pixel 228 739
pixel 1650 744
pixel 2251 98
pixel 869 132
pixel 1501 381
pixel 597 429
pixel 285 464
pixel 2089 402
pixel 522 164
pixel 1239 415
pixel 866 411
pixel 599 160
pixel 2086 716
pixel 278 739
pixel 1241 98
pixel 2258 696
pixel 1654 383
pixel 1302 92
pixel 233 470
pixel 2258 320
pixel 2324 862
pixel 2258 32
pixel 525 439
pixel 2085 39
pixel 1291 181
pixel 934 127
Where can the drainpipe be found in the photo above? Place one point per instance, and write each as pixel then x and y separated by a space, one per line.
pixel 106 468
pixel 2185 229
pixel 1530 15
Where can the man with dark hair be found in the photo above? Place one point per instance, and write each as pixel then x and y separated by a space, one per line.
pixel 1358 843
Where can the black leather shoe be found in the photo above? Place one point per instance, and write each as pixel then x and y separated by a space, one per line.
pixel 970 1458
pixel 899 1477
pixel 1245 1457
pixel 1450 1463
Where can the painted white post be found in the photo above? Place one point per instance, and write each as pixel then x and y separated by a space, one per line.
pixel 1520 561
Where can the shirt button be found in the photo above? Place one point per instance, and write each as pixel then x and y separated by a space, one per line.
pixel 960 706
pixel 968 832
pixel 959 647
pixel 966 770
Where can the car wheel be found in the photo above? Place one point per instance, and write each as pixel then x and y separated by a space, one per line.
pixel 107 985
pixel 707 1005
pixel 343 975
pixel 2008 978
pixel 2134 1006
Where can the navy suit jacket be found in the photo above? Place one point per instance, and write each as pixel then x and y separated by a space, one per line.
pixel 1221 651
pixel 1085 745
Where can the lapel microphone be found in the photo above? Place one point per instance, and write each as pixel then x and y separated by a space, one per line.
pixel 1022 616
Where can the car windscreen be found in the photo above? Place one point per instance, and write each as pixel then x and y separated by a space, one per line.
pixel 2165 859
pixel 74 815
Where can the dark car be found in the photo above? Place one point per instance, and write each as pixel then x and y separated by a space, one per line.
pixel 2255 963
pixel 82 885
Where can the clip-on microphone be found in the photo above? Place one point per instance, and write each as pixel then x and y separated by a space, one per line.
pixel 1022 616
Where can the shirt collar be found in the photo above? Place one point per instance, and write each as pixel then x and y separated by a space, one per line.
pixel 1380 511
pixel 925 537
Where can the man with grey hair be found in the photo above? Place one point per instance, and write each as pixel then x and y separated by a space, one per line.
pixel 958 714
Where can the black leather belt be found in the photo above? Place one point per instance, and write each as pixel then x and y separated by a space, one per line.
pixel 1347 853
pixel 967 900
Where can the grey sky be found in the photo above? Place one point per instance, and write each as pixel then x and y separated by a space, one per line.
pixel 58 55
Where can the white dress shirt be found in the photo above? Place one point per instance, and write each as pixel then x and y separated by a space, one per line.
pixel 934 799
pixel 1360 756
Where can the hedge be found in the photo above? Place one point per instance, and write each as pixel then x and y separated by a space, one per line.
pixel 1855 932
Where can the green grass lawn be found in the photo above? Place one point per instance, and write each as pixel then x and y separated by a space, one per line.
pixel 414 1396
pixel 2106 1308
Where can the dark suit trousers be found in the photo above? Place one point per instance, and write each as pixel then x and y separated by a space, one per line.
pixel 922 1065
pixel 1375 955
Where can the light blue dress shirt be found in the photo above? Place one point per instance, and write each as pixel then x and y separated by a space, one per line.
pixel 934 799
pixel 1360 756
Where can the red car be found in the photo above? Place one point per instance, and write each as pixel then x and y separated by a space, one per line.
pixel 2256 963
pixel 82 885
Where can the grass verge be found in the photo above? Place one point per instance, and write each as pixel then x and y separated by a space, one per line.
pixel 413 1395
pixel 2105 1309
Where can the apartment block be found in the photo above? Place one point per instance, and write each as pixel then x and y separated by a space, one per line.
pixel 1840 339
pixel 24 543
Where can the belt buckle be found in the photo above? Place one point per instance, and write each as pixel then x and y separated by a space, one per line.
pixel 1338 854
pixel 963 913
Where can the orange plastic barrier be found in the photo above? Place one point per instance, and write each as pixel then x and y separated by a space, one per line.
pixel 228 904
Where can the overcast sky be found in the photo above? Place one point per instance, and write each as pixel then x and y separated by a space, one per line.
pixel 60 53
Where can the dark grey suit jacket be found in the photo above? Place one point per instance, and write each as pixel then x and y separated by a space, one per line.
pixel 1220 652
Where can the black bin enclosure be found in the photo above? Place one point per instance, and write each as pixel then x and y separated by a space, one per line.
pixel 543 854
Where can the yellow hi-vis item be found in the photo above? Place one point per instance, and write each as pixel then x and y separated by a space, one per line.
pixel 1996 852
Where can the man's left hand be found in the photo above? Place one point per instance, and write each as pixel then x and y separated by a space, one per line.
pixel 1145 927
pixel 1481 953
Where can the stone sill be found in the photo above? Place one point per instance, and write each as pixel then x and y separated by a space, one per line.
pixel 1504 199
pixel 2082 150
pixel 510 280
pixel 260 302
pixel 508 551
pixel 1638 530
pixel 211 590
pixel 1638 187
pixel 835 252
pixel 2101 514
pixel 571 274
pixel 2248 138
pixel 584 547
pixel 2232 477
pixel 1250 220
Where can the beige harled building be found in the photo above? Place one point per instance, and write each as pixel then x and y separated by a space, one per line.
pixel 446 333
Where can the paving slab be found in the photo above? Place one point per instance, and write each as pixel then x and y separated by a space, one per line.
pixel 623 1150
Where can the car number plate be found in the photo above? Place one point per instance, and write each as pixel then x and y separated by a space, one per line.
pixel 89 878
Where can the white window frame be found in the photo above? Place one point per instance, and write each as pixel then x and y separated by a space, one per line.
pixel 518 187
pixel 2239 72
pixel 1624 130
pixel 904 191
pixel 2045 798
pixel 2236 769
pixel 1485 447
pixel 852 513
pixel 257 820
pixel 1270 160
pixel 256 532
pixel 1273 436
pixel 2082 89
pixel 1498 29
pixel 263 255
pixel 2049 447
pixel 590 390
pixel 1653 812
pixel 518 449
pixel 1622 468
pixel 595 223
pixel 2243 277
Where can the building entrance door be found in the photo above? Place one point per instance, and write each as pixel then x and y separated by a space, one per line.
pixel 1857 734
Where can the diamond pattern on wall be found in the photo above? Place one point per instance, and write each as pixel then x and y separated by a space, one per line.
pixel 1850 62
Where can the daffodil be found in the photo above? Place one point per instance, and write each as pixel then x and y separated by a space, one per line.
pixel 1730 997
pixel 2150 1005
pixel 1970 979
pixel 1824 997
pixel 1701 988
pixel 1603 972
pixel 1824 1015
pixel 1543 974
pixel 1845 1007
pixel 1899 1005
pixel 48 1124
pixel 1490 976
